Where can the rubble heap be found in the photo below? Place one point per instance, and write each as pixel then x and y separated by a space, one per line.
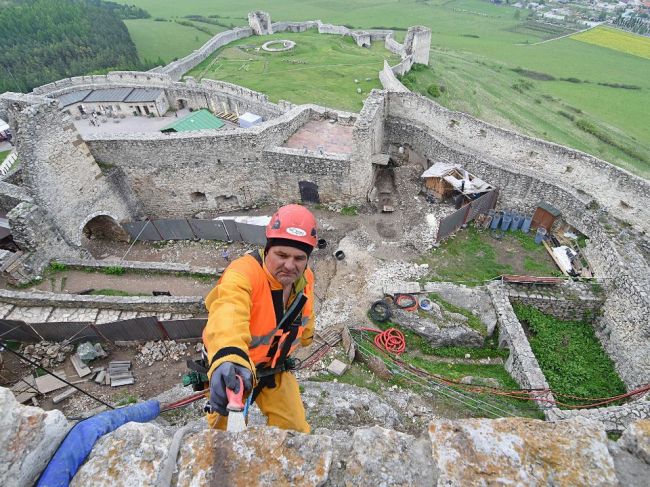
pixel 48 354
pixel 152 352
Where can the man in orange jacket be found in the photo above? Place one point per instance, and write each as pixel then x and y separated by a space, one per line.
pixel 259 312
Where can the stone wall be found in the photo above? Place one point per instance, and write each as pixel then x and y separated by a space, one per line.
pixel 176 69
pixel 521 363
pixel 613 418
pixel 393 46
pixel 331 173
pixel 295 26
pixel 244 164
pixel 487 145
pixel 11 195
pixel 58 170
pixel 417 44
pixel 570 301
pixel 389 81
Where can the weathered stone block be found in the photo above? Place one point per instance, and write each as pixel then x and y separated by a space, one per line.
pixel 134 454
pixel 29 436
pixel 256 456
pixel 521 452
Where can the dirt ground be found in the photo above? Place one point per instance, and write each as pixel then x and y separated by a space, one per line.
pixel 74 282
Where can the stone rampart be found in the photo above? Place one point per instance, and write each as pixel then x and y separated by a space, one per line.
pixel 403 67
pixel 260 22
pixel 393 46
pixel 171 304
pixel 368 137
pixel 295 26
pixel 11 196
pixel 176 69
pixel 389 81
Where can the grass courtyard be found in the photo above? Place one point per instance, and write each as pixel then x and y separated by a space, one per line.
pixel 473 256
pixel 319 69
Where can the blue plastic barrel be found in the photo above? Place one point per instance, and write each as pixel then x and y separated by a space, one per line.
pixel 495 221
pixel 505 222
pixel 526 225
pixel 540 235
pixel 516 222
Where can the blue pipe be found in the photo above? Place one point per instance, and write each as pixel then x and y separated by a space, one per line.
pixel 79 442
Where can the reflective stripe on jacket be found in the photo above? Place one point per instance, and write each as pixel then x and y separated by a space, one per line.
pixel 242 326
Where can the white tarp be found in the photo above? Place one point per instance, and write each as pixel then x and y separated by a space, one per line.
pixel 439 169
pixel 4 126
pixel 249 119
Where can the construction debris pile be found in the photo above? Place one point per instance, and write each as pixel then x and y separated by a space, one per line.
pixel 48 354
pixel 152 352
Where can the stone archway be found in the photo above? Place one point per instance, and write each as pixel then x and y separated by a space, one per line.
pixel 105 227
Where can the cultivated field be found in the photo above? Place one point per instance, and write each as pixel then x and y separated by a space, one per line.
pixel 319 69
pixel 618 40
pixel 475 47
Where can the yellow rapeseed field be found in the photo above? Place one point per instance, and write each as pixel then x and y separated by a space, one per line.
pixel 616 39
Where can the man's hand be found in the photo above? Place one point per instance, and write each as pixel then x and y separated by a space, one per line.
pixel 225 377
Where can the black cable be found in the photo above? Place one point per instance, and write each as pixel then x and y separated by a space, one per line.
pixel 35 364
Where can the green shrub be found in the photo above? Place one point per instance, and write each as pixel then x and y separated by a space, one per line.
pixel 433 90
pixel 57 266
pixel 114 270
pixel 349 211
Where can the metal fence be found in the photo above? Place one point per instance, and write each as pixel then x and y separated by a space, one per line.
pixel 136 329
pixel 226 229
pixel 467 213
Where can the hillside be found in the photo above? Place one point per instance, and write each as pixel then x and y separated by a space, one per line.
pixel 46 40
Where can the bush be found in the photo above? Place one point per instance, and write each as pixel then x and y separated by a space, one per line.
pixel 433 90
pixel 57 266
pixel 349 211
pixel 114 270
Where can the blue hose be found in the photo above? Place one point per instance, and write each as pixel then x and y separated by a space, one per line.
pixel 78 443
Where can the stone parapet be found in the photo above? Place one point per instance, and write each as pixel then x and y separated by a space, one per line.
pixel 515 451
pixel 172 304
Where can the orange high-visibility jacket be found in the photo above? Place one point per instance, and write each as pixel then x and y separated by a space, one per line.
pixel 242 326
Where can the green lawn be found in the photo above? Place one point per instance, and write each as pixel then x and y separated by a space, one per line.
pixel 473 257
pixel 475 46
pixel 571 357
pixel 320 68
pixel 4 154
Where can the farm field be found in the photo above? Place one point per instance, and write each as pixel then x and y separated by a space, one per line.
pixel 475 47
pixel 319 69
pixel 616 39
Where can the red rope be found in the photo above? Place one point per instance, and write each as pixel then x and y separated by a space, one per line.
pixel 389 341
pixel 392 342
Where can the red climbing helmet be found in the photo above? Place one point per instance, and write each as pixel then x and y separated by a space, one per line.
pixel 293 222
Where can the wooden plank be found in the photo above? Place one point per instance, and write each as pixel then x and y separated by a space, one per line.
pixel 122 382
pixel 25 389
pixel 550 251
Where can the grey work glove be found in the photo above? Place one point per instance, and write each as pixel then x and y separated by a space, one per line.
pixel 225 376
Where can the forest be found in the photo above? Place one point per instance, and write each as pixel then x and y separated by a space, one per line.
pixel 46 40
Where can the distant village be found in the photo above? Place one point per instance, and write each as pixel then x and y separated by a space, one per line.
pixel 630 15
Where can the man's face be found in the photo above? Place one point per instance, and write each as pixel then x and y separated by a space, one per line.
pixel 286 264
